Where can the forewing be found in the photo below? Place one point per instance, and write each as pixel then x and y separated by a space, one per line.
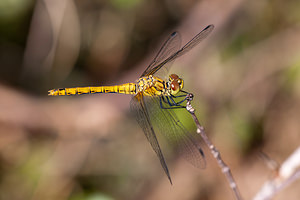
pixel 191 44
pixel 171 46
pixel 140 111
pixel 187 143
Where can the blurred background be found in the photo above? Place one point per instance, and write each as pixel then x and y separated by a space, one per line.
pixel 245 77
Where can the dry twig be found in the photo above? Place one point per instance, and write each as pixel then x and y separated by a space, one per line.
pixel 200 130
pixel 288 173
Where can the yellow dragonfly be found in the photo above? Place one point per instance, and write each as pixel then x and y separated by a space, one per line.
pixel 155 98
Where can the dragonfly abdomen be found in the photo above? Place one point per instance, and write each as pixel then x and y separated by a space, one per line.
pixel 127 88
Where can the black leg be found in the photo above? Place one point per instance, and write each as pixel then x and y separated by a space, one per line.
pixel 166 100
pixel 179 102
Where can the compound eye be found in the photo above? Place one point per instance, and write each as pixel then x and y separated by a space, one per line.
pixel 175 85
pixel 174 76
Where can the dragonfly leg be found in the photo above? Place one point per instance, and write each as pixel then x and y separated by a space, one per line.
pixel 184 95
pixel 173 103
pixel 185 92
pixel 166 100
pixel 179 102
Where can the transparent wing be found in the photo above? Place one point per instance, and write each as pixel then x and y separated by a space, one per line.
pixel 165 121
pixel 191 44
pixel 171 45
pixel 139 109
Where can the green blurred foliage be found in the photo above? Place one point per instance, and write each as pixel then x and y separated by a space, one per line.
pixel 92 196
pixel 13 15
pixel 125 4
pixel 273 16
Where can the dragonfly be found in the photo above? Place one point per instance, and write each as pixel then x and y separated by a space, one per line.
pixel 155 96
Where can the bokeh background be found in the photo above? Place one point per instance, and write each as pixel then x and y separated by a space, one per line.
pixel 245 77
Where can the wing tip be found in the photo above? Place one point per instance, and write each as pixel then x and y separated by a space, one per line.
pixel 170 180
pixel 174 33
pixel 211 26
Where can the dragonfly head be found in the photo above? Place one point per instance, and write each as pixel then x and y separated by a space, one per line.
pixel 176 83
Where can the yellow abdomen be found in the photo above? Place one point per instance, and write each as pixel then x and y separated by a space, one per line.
pixel 127 88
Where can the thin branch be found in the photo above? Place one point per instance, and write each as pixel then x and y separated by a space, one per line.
pixel 288 173
pixel 200 130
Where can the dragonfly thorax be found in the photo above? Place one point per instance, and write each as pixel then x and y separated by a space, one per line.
pixel 154 86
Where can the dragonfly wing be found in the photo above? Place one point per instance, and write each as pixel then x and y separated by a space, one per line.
pixel 139 109
pixel 171 45
pixel 187 143
pixel 191 44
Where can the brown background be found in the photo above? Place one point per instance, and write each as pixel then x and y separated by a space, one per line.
pixel 245 77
